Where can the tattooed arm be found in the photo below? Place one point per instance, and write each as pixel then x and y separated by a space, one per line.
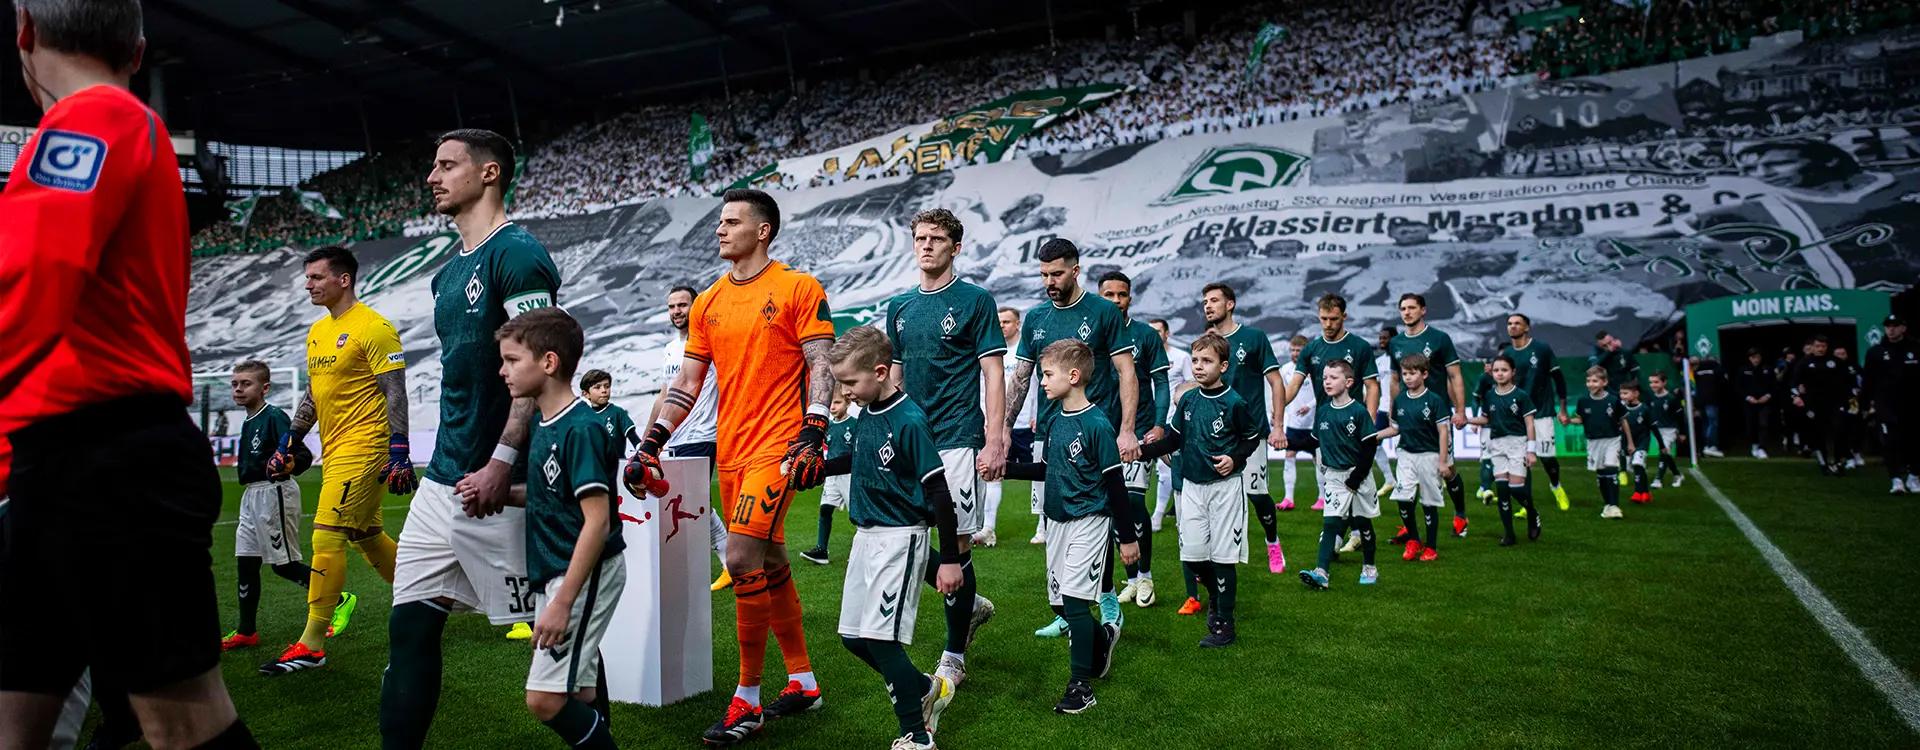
pixel 820 380
pixel 484 492
pixel 1017 391
pixel 304 416
pixel 394 385
pixel 674 403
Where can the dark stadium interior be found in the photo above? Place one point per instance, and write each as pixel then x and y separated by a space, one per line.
pixel 345 73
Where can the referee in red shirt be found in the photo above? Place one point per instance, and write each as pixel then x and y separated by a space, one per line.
pixel 114 492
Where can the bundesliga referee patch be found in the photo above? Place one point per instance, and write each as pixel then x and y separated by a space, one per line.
pixel 67 161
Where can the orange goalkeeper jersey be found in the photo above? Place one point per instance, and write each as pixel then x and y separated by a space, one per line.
pixel 751 333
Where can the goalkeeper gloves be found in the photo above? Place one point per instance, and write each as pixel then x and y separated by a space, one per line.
pixel 280 464
pixel 643 475
pixel 398 473
pixel 806 458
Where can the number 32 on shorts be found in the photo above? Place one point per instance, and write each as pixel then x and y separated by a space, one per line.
pixel 519 595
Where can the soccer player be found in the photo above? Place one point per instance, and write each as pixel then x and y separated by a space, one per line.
pixel 1254 373
pixel 1669 410
pixel 1537 371
pixel 1443 364
pixel 1298 423
pixel 357 393
pixel 1345 456
pixel 695 438
pixel 1821 386
pixel 463 549
pixel 1150 371
pixel 765 330
pixel 574 544
pixel 1179 373
pixel 1892 376
pixel 1019 440
pixel 1086 503
pixel 1219 431
pixel 269 524
pixel 1333 345
pixel 835 491
pixel 1610 353
pixel 1603 420
pixel 900 485
pixel 1756 384
pixel 94 378
pixel 948 348
pixel 1111 382
pixel 1424 420
pixel 1507 412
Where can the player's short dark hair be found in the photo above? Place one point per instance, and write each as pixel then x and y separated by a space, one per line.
pixel 865 347
pixel 765 208
pixel 1597 371
pixel 1212 342
pixel 1058 248
pixel 1523 318
pixel 1341 364
pixel 548 329
pixel 1631 385
pixel 1331 301
pixel 1599 336
pixel 255 367
pixel 1511 365
pixel 105 30
pixel 1661 374
pixel 1116 276
pixel 339 260
pixel 595 377
pixel 1417 299
pixel 1161 322
pixel 1818 338
pixel 1390 330
pixel 1415 361
pixel 1016 313
pixel 485 146
pixel 1754 351
pixel 677 288
pixel 942 218
pixel 1223 289
pixel 1072 354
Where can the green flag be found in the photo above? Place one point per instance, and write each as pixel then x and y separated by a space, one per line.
pixel 992 128
pixel 240 210
pixel 759 176
pixel 316 204
pixel 1541 19
pixel 519 173
pixel 700 147
pixel 1269 33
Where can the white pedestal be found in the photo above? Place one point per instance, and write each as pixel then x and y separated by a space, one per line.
pixel 659 648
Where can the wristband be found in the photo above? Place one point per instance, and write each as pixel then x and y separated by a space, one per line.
pixel 506 454
pixel 820 409
pixel 1532 446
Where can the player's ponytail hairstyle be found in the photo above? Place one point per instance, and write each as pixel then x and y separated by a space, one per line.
pixel 864 347
pixel 548 329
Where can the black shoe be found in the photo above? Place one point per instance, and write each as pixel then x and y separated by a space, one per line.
pixel 1400 540
pixel 741 722
pixel 1103 657
pixel 1533 526
pixel 793 701
pixel 1508 541
pixel 817 556
pixel 1078 699
pixel 1219 634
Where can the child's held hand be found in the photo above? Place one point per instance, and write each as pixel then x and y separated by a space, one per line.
pixel 1223 465
pixel 1130 553
pixel 551 628
pixel 949 578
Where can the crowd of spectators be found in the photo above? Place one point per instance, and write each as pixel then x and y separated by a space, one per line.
pixel 375 195
pixel 1607 36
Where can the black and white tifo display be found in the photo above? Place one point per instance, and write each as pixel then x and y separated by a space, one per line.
pixel 1596 203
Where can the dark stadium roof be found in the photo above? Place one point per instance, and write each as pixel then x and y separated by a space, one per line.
pixel 303 72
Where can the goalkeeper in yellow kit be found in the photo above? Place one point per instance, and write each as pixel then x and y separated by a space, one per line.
pixel 357 394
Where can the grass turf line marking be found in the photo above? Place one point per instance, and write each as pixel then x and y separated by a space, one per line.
pixel 236 521
pixel 1874 665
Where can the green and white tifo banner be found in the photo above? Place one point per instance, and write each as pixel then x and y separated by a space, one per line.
pixel 1597 204
pixel 984 133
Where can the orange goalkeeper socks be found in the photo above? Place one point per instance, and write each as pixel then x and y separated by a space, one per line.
pixel 751 612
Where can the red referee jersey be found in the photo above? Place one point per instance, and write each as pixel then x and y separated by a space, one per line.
pixel 93 262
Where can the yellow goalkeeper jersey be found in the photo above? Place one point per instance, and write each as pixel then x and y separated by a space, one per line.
pixel 343 356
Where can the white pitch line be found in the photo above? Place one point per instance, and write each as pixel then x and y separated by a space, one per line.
pixel 236 521
pixel 1874 665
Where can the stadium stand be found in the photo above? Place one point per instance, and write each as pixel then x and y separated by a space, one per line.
pixel 1605 37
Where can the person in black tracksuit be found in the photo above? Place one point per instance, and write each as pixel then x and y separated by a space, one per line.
pixel 1892 375
pixel 1821 387
pixel 1756 384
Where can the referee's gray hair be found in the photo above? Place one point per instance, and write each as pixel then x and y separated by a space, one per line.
pixel 106 30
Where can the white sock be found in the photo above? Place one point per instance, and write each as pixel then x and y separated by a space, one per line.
pixel 805 679
pixel 1163 492
pixel 962 658
pixel 1147 575
pixel 993 505
pixel 717 537
pixel 1290 474
pixel 748 694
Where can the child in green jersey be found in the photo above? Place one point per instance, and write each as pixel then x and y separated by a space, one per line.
pixel 1603 420
pixel 1425 421
pixel 1669 411
pixel 1344 429
pixel 1639 437
pixel 1507 412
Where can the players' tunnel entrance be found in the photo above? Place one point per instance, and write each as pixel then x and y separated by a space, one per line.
pixel 1772 322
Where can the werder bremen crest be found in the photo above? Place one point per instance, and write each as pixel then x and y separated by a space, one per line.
pixel 1226 170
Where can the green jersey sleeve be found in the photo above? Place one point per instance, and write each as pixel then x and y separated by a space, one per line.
pixel 527 280
pixel 985 320
pixel 1025 351
pixel 1106 447
pixel 917 454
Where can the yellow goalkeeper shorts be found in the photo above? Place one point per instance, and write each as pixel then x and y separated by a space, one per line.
pixel 350 492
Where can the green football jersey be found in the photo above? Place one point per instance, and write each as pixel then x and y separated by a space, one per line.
pixel 569 456
pixel 1213 424
pixel 1149 361
pixel 1432 343
pixel 1507 412
pixel 619 424
pixel 1600 417
pixel 1420 419
pixel 1249 359
pixel 475 293
pixel 939 338
pixel 839 436
pixel 1537 372
pixel 1340 428
pixel 1620 366
pixel 893 453
pixel 259 438
pixel 1640 424
pixel 1081 449
pixel 1093 320
pixel 1320 352
pixel 1669 411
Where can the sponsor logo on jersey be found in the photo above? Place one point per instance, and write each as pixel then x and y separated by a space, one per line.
pixel 68 161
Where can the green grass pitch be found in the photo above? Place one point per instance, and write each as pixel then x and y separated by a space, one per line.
pixel 1664 629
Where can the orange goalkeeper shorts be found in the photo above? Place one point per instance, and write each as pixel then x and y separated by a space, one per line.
pixel 755 498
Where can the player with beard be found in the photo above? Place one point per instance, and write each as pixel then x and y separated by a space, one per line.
pixel 1254 374
pixel 1443 364
pixel 695 438
pixel 463 549
pixel 1537 371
